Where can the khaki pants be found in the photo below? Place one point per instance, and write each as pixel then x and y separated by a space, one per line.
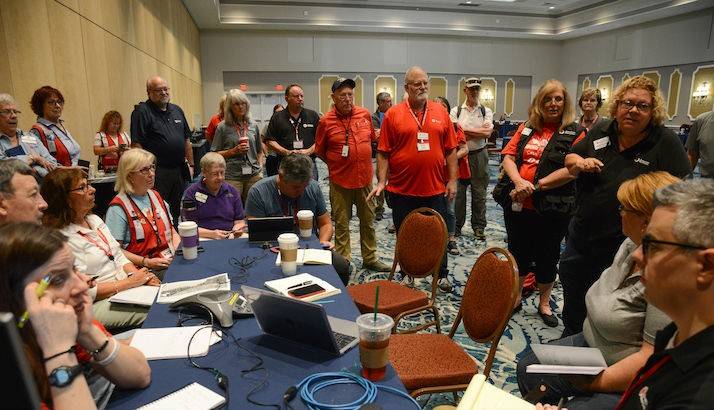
pixel 342 200
pixel 243 185
pixel 116 315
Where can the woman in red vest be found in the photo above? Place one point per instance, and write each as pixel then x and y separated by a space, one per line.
pixel 47 102
pixel 138 217
pixel 110 142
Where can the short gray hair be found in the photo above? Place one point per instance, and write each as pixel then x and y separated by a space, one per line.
pixel 381 96
pixel 235 96
pixel 6 99
pixel 694 201
pixel 8 169
pixel 296 168
pixel 211 159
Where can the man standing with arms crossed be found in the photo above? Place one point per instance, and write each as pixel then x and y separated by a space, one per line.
pixel 292 130
pixel 384 102
pixel 416 138
pixel 344 137
pixel 477 122
pixel 161 128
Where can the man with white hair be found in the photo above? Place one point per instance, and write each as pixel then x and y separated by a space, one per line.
pixel 415 141
pixel 161 128
pixel 20 145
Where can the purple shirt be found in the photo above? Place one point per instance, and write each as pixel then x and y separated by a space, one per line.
pixel 218 211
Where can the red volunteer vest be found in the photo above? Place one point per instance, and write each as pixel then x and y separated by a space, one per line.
pixel 107 161
pixel 56 147
pixel 146 238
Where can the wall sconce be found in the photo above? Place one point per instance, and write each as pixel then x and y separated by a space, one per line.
pixel 701 93
pixel 604 94
pixel 487 95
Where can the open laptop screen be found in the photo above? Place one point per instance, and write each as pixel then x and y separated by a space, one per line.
pixel 268 229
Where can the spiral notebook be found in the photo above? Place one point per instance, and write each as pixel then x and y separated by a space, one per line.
pixel 191 397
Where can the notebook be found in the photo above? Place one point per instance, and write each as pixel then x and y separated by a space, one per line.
pixel 482 395
pixel 310 257
pixel 172 342
pixel 194 396
pixel 301 322
pixel 140 295
pixel 556 359
pixel 291 286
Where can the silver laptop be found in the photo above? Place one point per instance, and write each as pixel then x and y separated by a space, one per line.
pixel 302 322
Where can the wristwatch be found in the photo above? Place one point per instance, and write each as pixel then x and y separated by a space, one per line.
pixel 63 375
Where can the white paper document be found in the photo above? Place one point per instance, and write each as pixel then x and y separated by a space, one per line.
pixel 310 257
pixel 285 285
pixel 556 359
pixel 140 295
pixel 174 291
pixel 172 342
pixel 482 395
pixel 192 397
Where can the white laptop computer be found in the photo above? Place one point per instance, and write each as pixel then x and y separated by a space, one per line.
pixel 302 322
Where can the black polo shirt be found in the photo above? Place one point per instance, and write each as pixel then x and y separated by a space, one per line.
pixel 684 381
pixel 596 223
pixel 282 126
pixel 163 133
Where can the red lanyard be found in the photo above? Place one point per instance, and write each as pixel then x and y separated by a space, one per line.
pixel 296 127
pixel 152 220
pixel 420 125
pixel 107 251
pixel 242 131
pixel 640 379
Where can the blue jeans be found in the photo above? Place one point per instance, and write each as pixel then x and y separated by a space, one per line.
pixel 559 386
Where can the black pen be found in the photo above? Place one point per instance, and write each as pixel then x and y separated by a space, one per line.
pixel 300 284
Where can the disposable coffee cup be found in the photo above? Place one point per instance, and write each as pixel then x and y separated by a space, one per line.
pixel 374 344
pixel 305 218
pixel 189 239
pixel 288 244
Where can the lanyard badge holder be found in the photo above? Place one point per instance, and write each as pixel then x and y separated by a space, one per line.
pixel 297 144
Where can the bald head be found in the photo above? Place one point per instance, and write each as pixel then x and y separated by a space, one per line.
pixel 158 91
pixel 416 84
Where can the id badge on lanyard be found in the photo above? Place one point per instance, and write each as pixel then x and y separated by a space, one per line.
pixel 297 144
pixel 422 137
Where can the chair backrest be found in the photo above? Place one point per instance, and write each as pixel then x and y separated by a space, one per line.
pixel 421 242
pixel 489 296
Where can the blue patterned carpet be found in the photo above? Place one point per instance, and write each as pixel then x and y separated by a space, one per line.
pixel 524 327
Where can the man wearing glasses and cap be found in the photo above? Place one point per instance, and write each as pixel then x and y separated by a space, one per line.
pixel 344 141
pixel 477 122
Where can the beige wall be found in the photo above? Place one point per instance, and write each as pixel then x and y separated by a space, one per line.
pixel 98 53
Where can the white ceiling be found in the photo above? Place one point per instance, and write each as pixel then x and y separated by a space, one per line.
pixel 542 19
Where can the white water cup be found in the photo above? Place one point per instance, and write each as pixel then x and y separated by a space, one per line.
pixel 288 244
pixel 188 231
pixel 305 217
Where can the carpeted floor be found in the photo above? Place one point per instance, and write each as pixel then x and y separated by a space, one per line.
pixel 524 327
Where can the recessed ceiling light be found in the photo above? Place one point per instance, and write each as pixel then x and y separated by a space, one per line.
pixel 551 8
pixel 468 1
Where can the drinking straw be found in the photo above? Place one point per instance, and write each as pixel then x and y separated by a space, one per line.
pixel 376 303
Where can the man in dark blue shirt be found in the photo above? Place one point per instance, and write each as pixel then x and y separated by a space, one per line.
pixel 161 128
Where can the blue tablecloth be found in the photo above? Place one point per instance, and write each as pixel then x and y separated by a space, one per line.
pixel 286 363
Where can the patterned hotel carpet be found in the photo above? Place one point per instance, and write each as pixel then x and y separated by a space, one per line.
pixel 524 327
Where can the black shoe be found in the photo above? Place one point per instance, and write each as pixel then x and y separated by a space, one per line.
pixel 453 248
pixel 378 216
pixel 549 320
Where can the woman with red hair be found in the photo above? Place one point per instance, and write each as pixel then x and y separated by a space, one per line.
pixel 47 102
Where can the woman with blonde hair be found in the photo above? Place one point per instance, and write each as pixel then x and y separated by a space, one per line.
pixel 635 142
pixel 620 322
pixel 537 204
pixel 238 140
pixel 138 217
pixel 110 141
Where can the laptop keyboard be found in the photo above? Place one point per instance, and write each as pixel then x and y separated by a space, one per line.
pixel 342 340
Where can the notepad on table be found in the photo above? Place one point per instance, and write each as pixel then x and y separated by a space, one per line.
pixel 140 295
pixel 284 286
pixel 482 395
pixel 172 342
pixel 556 359
pixel 194 396
pixel 310 257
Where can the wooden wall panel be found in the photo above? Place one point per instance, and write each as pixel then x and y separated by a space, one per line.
pixel 5 78
pixel 99 84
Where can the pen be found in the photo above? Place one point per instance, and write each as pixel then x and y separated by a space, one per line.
pixel 41 288
pixel 300 284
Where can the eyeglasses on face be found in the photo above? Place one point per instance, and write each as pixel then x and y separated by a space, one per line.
pixel 161 90
pixel 629 104
pixel 54 102
pixel 147 170
pixel 10 113
pixel 83 188
pixel 649 244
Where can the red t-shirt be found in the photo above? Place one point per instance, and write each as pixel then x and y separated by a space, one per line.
pixel 212 125
pixel 413 172
pixel 531 153
pixel 464 170
pixel 354 171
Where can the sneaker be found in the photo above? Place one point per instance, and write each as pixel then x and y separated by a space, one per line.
pixel 377 266
pixel 407 281
pixel 391 228
pixel 453 248
pixel 445 285
pixel 479 235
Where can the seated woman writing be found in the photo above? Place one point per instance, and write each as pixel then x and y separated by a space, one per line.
pixel 72 356
pixel 70 201
pixel 138 217
pixel 212 203
pixel 620 322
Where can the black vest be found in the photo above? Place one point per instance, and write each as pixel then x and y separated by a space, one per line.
pixel 558 201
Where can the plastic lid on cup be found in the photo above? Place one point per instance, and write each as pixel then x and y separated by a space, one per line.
pixel 305 213
pixel 186 225
pixel 288 238
pixel 383 323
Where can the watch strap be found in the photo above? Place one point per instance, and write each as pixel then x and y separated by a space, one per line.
pixel 64 375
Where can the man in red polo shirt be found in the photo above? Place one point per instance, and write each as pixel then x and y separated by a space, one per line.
pixel 343 141
pixel 415 142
